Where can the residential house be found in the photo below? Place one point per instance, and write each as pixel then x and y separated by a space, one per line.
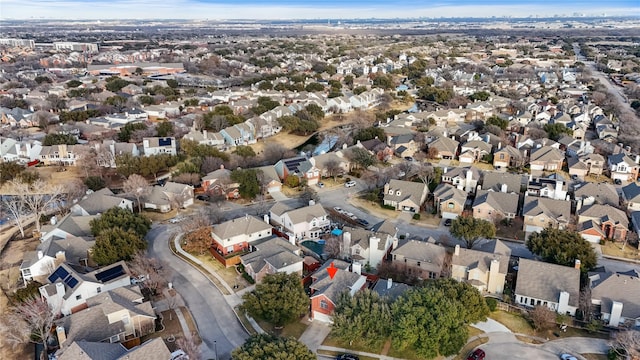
pixel 552 187
pixel 419 259
pixel 446 148
pixel 300 167
pixel 501 182
pixel 473 151
pixel 463 178
pixel 635 221
pixel 325 291
pixel 205 137
pixel 237 234
pixel 539 213
pixel 238 134
pixel 307 222
pixel 590 164
pixel 23 152
pixel 270 179
pixel 218 183
pixel 69 225
pixel 403 145
pixel 369 248
pixel 449 201
pixel 61 155
pixel 598 222
pixel 86 350
pixel 331 163
pixel 169 196
pixel 405 195
pixel 554 286
pixel 622 167
pixel 51 253
pixel 157 146
pixel 271 256
pixel 493 206
pixel 586 194
pixel 546 158
pixel 98 202
pixel 112 316
pixel 506 157
pixel 67 290
pixel 615 297
pixel 387 288
pixel 107 150
pixel 631 197
pixel 379 149
pixel 484 268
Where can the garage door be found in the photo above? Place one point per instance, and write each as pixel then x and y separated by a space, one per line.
pixel 318 316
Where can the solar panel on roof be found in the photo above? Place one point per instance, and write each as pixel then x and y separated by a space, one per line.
pixel 164 142
pixel 110 274
pixel 60 273
pixel 71 281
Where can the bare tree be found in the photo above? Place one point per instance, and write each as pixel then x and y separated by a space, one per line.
pixel 177 201
pixel 333 168
pixel 38 197
pixel 196 221
pixel 189 346
pixel 143 266
pixel 425 173
pixel 138 187
pixel 29 321
pixel 627 344
pixel 210 163
pixel 87 160
pixel 333 247
pixel 187 178
pixel 16 207
pixel 74 190
pixel 542 317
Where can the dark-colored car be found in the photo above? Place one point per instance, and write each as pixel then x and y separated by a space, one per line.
pixel 447 222
pixel 363 222
pixel 476 355
pixel 617 181
pixel 202 197
pixel 347 357
pixel 408 158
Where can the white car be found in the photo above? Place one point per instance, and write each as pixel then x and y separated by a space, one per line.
pixel 567 357
pixel 350 184
pixel 338 209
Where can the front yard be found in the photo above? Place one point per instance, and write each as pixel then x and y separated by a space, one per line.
pixel 520 325
pixel 615 249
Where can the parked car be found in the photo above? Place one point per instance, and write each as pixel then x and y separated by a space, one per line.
pixel 338 209
pixel 617 182
pixel 347 357
pixel 408 158
pixel 478 354
pixel 320 185
pixel 574 177
pixel 350 184
pixel 567 357
pixel 363 222
pixel 447 222
pixel 202 197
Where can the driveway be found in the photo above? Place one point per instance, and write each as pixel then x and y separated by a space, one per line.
pixel 217 324
pixel 278 196
pixel 491 326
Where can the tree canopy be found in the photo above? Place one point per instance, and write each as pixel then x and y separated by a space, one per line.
pixel 279 299
pixel 555 131
pixel 364 317
pixel 244 151
pixel 247 179
pixel 432 321
pixel 122 218
pixel 59 139
pixel 361 157
pixel 563 247
pixel 471 229
pixel 115 244
pixel 270 347
pixel 370 133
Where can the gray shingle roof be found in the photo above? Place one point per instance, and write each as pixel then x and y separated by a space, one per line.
pixel 631 192
pixel 424 252
pixel 243 225
pixel 332 288
pixel 559 210
pixel 493 180
pixel 603 193
pixel 408 190
pixel 507 203
pixel 483 256
pixel 275 251
pixel 545 281
pixel 605 212
pixel 90 350
pixel 621 288
pixel 306 213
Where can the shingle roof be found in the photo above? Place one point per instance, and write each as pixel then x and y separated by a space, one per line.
pixel 90 350
pixel 332 288
pixel 483 256
pixel 446 192
pixel 275 251
pixel 74 248
pixel 306 213
pixel 396 290
pixel 408 190
pixel 243 225
pixel 604 213
pixel 631 192
pixel 493 180
pixel 546 153
pixel 545 281
pixel 603 193
pixel 76 225
pixel 559 210
pixel 424 252
pixel 445 144
pixel 507 203
pixel 97 203
pixel 621 288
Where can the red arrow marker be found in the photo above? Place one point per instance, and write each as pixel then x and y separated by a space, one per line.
pixel 332 270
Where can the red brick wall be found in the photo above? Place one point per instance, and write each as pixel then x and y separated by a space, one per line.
pixel 315 305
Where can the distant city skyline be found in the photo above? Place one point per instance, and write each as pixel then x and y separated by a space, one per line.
pixel 289 9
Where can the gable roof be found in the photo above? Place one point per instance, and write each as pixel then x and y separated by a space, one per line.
pixel 275 251
pixel 462 173
pixel 482 257
pixel 91 350
pixel 444 144
pixel 76 225
pixel 99 202
pixel 545 281
pixel 493 180
pixel 507 203
pixel 631 192
pixel 618 287
pixel 604 213
pixel 422 251
pixel 408 190
pixel 306 213
pixel 546 154
pixel 248 224
pixel 332 288
pixel 603 193
pixel 74 248
pixel 386 227
pixel 446 192
pixel 559 210
pixel 389 289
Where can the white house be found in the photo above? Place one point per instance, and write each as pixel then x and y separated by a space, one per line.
pixel 308 222
pixel 157 145
pixel 68 290
pixel 98 202
pixel 617 294
pixel 52 252
pixel 236 235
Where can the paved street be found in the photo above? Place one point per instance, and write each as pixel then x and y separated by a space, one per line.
pixel 216 322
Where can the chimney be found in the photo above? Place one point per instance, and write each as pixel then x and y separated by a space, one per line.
pixel 558 188
pixel 467 184
pixel 61 257
pixel 61 334
pixel 576 264
pixel 312 202
pixel 346 243
pixel 499 145
pixel 40 254
pixel 204 133
pixel 356 267
pixel 637 159
pixel 389 283
pixel 503 188
pixel 456 252
pixel 266 218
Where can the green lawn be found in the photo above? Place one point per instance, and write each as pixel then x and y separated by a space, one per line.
pixel 357 346
pixel 514 322
pixel 295 329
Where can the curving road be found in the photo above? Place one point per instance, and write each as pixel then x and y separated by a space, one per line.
pixel 217 324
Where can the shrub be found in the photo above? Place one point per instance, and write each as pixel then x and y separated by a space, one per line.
pixel 491 303
pixel 248 277
pixel 388 207
pixel 416 216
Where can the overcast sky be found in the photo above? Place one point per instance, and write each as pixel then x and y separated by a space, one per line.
pixel 318 9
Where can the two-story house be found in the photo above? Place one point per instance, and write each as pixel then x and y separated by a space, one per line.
pixel 370 247
pixel 622 167
pixel 501 182
pixel 307 222
pixel 543 284
pixel 590 164
pixel 598 222
pixel 405 195
pixel 445 148
pixel 590 193
pixel 157 145
pixel 67 291
pixel 552 187
pixel 546 158
pixel 539 213
pixel 473 151
pixel 61 155
pixel 419 259
pixel 300 167
pixel 449 201
pixel 506 157
pixel 485 268
pixel 51 253
pixel 493 206
pixel 98 202
pixel 237 234
pixel 463 178
pixel 326 291
pixel 631 197
pixel 270 256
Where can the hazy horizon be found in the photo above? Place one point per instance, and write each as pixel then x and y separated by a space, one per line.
pixel 294 10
